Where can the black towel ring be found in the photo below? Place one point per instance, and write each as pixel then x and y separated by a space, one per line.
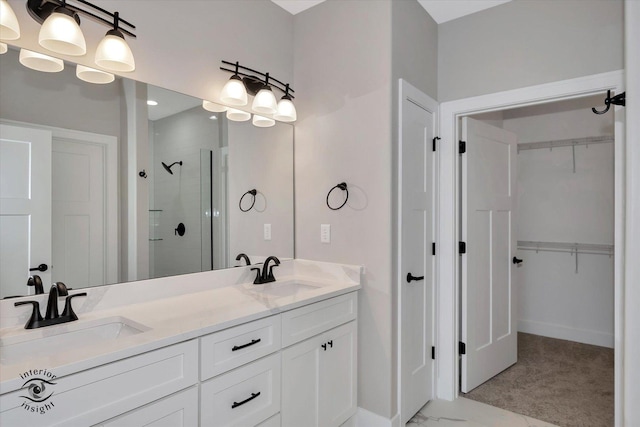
pixel 342 186
pixel 253 193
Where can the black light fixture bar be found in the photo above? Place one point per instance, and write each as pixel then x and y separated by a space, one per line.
pixel 283 87
pixel 40 10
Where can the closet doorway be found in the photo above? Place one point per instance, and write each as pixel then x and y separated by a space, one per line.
pixel 539 329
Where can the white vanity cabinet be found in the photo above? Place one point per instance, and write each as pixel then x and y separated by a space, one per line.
pixel 319 374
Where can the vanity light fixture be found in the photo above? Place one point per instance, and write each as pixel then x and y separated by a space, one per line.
pixel 213 107
pixel 9 25
pixel 3 48
pixel 91 75
pixel 61 33
pixel 238 115
pixel 40 62
pixel 151 102
pixel 234 92
pixel 262 122
pixel 261 86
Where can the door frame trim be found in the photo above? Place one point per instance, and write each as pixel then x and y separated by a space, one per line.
pixel 447 266
pixel 416 96
pixel 110 146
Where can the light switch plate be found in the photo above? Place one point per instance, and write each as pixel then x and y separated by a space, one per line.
pixel 267 232
pixel 325 233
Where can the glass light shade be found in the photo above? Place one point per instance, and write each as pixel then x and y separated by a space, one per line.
pixel 286 110
pixel 60 33
pixel 265 101
pixel 114 54
pixel 238 115
pixel 3 48
pixel 92 75
pixel 39 62
pixel 234 92
pixel 9 26
pixel 213 107
pixel 262 122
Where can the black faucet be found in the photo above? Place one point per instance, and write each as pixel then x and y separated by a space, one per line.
pixel 36 282
pixel 266 276
pixel 246 258
pixel 52 317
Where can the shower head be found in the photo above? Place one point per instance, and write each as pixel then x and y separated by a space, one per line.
pixel 168 168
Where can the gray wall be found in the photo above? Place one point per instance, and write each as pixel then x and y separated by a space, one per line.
pixel 342 54
pixel 527 42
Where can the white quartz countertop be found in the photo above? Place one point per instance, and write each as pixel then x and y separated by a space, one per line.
pixel 172 320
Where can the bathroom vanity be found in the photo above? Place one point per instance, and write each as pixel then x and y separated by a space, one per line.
pixel 208 349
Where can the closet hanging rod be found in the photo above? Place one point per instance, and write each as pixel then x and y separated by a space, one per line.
pixel 581 248
pixel 565 142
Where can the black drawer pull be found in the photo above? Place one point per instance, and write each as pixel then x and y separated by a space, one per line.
pixel 240 347
pixel 411 277
pixel 248 399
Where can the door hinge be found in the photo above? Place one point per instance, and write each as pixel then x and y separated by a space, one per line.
pixel 462 348
pixel 433 248
pixel 433 353
pixel 462 247
pixel 462 147
pixel 435 138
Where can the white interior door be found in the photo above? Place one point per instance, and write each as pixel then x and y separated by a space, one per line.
pixel 489 193
pixel 25 207
pixel 78 214
pixel 416 231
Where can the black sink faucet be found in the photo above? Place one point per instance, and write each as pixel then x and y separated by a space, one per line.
pixel 266 276
pixel 52 317
pixel 245 257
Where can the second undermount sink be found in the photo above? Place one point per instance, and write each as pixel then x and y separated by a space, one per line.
pixel 76 335
pixel 284 289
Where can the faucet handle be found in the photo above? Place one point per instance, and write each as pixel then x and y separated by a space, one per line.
pixel 68 310
pixel 35 318
pixel 271 277
pixel 258 279
pixel 63 291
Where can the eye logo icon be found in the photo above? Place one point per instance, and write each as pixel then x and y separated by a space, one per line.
pixel 38 389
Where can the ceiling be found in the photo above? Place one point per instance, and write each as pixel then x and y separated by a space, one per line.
pixel 440 10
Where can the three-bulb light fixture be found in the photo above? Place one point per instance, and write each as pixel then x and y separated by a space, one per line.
pixel 60 33
pixel 236 91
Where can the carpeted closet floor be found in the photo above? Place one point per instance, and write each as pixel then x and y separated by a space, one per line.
pixel 562 382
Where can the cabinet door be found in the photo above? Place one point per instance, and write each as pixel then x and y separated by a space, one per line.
pixel 179 410
pixel 338 385
pixel 300 383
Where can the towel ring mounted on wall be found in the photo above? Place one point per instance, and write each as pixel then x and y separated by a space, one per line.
pixel 342 186
pixel 253 202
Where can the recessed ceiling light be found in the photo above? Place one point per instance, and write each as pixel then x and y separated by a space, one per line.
pixel 152 102
pixel 214 117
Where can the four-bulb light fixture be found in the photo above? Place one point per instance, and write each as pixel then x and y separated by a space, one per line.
pixel 60 33
pixel 236 91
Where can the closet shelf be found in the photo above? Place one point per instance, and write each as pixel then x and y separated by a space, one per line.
pixel 580 248
pixel 565 142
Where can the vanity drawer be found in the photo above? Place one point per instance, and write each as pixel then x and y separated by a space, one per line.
pixel 313 319
pixel 245 396
pixel 101 393
pixel 233 347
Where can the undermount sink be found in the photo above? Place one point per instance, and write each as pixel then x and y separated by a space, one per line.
pixel 284 289
pixel 51 340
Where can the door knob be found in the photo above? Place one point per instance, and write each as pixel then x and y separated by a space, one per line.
pixel 516 260
pixel 411 278
pixel 41 267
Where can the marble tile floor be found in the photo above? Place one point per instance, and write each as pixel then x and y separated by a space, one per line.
pixel 469 413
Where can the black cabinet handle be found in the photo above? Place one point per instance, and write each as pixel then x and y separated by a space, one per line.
pixel 41 267
pixel 411 277
pixel 516 260
pixel 248 399
pixel 240 347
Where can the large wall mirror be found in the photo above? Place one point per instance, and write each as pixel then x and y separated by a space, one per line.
pixel 101 187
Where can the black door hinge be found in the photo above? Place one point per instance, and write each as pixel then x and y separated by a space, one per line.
pixel 434 142
pixel 462 147
pixel 462 348
pixel 433 248
pixel 433 353
pixel 462 247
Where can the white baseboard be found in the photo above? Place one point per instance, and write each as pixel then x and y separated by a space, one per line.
pixel 366 418
pixel 551 330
